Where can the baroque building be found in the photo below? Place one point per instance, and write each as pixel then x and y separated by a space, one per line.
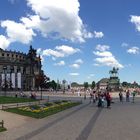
pixel 18 71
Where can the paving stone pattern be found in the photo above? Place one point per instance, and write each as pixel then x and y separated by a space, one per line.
pixel 84 122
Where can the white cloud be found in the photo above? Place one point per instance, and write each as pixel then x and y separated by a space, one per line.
pixel 67 50
pixel 98 34
pixel 56 19
pixel 75 66
pixel 79 61
pixel 124 44
pixel 4 42
pixel 95 64
pixel 74 74
pixel 109 61
pixel 42 58
pixel 60 51
pixel 103 54
pixel 61 63
pixel 32 21
pixel 102 47
pixel 136 21
pixel 53 58
pixel 59 17
pixel 91 76
pixel 106 57
pixel 17 32
pixel 39 51
pixel 54 53
pixel 133 50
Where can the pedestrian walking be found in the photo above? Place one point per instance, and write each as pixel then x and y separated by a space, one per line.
pixel 99 101
pixel 127 95
pixel 133 96
pixel 78 93
pixel 108 99
pixel 85 94
pixel 121 96
pixel 91 97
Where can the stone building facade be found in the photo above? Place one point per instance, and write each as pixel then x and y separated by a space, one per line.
pixel 18 71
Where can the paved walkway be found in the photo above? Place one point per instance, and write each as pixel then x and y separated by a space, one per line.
pixel 84 122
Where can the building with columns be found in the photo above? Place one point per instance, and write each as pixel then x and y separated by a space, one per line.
pixel 18 71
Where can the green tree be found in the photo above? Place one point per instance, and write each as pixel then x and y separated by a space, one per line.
pixel 53 85
pixel 86 85
pixel 125 84
pixel 41 81
pixel 93 84
pixel 74 84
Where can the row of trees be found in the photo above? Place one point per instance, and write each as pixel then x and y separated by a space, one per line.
pixel 85 84
pixel 42 81
pixel 130 85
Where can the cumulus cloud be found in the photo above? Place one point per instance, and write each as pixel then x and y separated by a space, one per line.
pixel 79 61
pixel 124 44
pixel 75 66
pixel 133 50
pixel 67 50
pixel 106 58
pixel 98 34
pixel 103 54
pixel 74 74
pixel 59 17
pixel 136 21
pixel 4 42
pixel 60 51
pixel 17 32
pixel 109 61
pixel 54 53
pixel 61 63
pixel 102 47
pixel 53 19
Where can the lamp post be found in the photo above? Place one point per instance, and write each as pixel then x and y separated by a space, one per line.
pixel 5 84
pixel 64 82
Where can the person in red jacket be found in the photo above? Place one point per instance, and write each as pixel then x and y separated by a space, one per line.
pixel 108 99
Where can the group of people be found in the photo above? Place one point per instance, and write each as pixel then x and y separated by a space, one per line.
pixel 128 94
pixel 21 94
pixel 101 99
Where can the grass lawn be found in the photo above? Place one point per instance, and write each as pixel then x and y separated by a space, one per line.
pixel 2 129
pixel 5 100
pixel 50 110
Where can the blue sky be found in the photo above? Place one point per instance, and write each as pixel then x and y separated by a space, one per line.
pixel 78 40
